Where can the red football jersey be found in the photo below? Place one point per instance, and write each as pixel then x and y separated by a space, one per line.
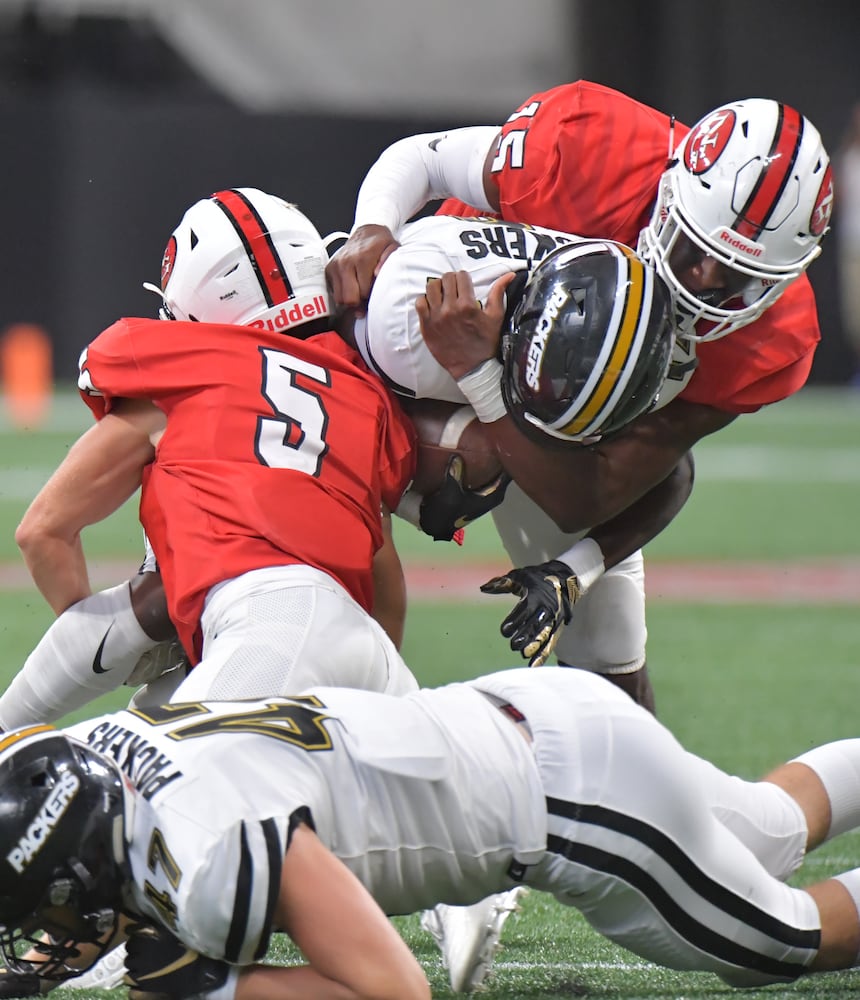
pixel 587 160
pixel 277 451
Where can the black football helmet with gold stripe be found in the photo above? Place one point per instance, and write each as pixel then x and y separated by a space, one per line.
pixel 62 850
pixel 588 343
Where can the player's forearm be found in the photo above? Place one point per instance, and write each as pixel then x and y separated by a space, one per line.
pixel 575 485
pixel 57 566
pixel 580 487
pixel 643 520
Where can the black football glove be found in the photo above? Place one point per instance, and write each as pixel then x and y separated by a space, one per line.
pixel 547 593
pixel 452 506
pixel 22 984
pixel 157 963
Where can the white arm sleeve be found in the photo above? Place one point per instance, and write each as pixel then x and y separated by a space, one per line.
pixel 89 650
pixel 424 167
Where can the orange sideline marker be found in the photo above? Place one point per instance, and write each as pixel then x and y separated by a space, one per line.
pixel 26 358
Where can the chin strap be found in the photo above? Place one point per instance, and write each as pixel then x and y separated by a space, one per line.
pixel 164 312
pixel 332 238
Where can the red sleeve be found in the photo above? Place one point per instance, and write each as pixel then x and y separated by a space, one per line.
pixel 584 159
pixel 452 206
pixel 118 363
pixel 761 363
pixel 397 452
pixel 397 455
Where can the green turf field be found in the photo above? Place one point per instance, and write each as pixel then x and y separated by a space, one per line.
pixel 747 684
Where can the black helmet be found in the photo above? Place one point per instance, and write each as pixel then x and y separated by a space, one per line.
pixel 588 344
pixel 61 846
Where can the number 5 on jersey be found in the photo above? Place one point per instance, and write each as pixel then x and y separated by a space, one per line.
pixel 295 437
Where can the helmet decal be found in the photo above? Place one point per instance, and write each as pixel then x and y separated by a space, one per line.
pixel 774 173
pixel 708 140
pixel 588 342
pixel 823 207
pixel 258 244
pixel 556 301
pixel 167 262
pixel 54 805
pixel 617 365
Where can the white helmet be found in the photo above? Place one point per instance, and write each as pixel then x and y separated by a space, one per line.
pixel 751 186
pixel 246 258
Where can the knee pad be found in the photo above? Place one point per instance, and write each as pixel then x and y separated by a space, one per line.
pixel 607 633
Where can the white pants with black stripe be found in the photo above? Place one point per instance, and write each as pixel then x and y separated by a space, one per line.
pixel 656 846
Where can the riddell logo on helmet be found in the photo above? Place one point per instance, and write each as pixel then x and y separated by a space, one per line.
pixel 299 312
pixel 739 243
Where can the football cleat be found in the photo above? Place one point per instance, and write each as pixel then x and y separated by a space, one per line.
pixel 468 936
pixel 107 973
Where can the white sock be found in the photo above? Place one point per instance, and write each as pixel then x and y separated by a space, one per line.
pixel 838 766
pixel 89 650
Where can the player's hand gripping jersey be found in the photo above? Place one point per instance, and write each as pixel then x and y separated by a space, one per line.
pixel 587 160
pixel 277 451
pixel 389 337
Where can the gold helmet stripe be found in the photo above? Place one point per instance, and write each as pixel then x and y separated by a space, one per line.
pixel 10 739
pixel 624 339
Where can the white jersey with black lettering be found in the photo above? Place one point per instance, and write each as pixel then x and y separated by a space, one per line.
pixel 436 796
pixel 389 784
pixel 389 337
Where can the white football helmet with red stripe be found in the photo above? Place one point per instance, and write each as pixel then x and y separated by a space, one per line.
pixel 246 258
pixel 751 186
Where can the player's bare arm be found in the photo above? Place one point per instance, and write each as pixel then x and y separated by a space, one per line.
pixel 101 471
pixel 352 949
pixel 149 604
pixel 577 486
pixel 583 486
pixel 643 520
pixel 548 591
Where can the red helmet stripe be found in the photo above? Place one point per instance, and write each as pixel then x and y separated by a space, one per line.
pixel 258 244
pixel 774 174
